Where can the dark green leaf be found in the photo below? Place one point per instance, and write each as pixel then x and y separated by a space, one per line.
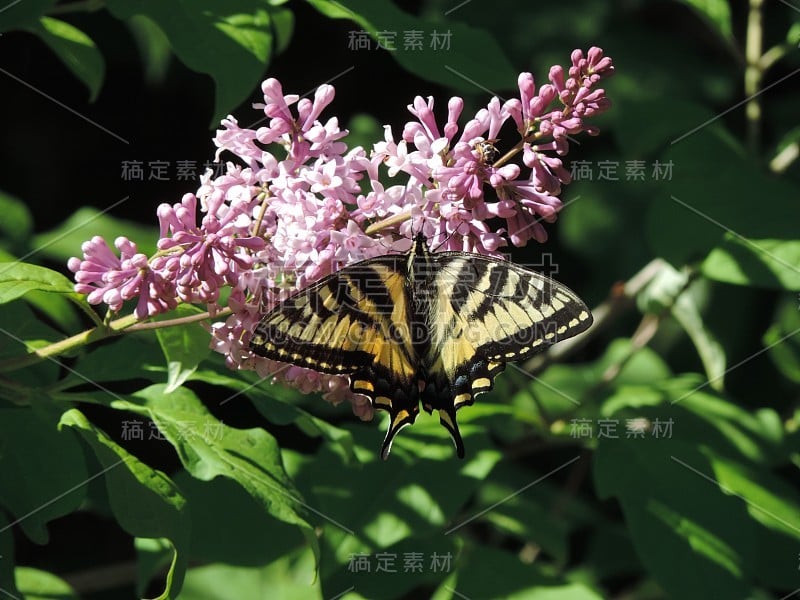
pixel 283 26
pixel 65 240
pixel 7 552
pixel 281 411
pixel 153 46
pixel 76 50
pixel 21 333
pixel 477 576
pixel 129 357
pixel 474 62
pixel 208 449
pixel 21 15
pixel 146 503
pixel 57 308
pixel 716 12
pixel 687 311
pixel 184 346
pixel 696 414
pixel 16 224
pixel 697 541
pixel 236 534
pixel 686 222
pixel 782 339
pixel 237 41
pixel 42 470
pixel 381 506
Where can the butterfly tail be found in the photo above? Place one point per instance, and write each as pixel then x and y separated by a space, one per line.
pixel 447 417
pixel 400 419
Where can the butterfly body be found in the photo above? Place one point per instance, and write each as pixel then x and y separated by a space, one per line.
pixel 421 327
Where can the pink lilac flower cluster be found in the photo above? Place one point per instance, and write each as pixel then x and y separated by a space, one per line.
pixel 298 203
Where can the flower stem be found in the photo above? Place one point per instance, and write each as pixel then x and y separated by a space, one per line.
pixel 753 74
pixel 113 328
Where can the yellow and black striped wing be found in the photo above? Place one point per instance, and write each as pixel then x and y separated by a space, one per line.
pixel 355 322
pixel 486 312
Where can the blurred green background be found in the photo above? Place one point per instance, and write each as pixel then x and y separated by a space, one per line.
pixel 658 459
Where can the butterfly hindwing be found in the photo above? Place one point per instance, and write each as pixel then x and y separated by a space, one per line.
pixel 354 322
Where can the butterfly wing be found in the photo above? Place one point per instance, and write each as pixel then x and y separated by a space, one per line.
pixel 354 322
pixel 486 312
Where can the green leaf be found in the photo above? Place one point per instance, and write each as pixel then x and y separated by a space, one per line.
pixel 281 411
pixel 380 507
pixel 184 346
pixel 22 15
pixel 290 577
pixel 23 332
pixel 65 240
pixel 517 515
pixel 686 311
pixel 763 262
pixel 18 278
pixel 153 556
pixel 716 12
pixel 56 307
pixel 770 501
pixel 697 413
pixel 41 585
pixel 146 503
pixel 153 46
pixel 235 535
pixel 76 50
pixel 126 358
pixel 42 470
pixel 17 223
pixel 473 55
pixel 782 339
pixel 208 449
pixel 682 526
pixel 237 41
pixel 478 572
pixel 7 553
pixel 283 25
pixel 686 222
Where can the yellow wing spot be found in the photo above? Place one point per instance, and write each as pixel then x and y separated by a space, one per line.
pixel 557 304
pixel 549 335
pixel 400 417
pixel 583 316
pixel 383 401
pixel 538 342
pixel 481 382
pixel 561 329
pixel 461 399
pixel 324 365
pixel 363 384
pixel 510 354
pixel 573 322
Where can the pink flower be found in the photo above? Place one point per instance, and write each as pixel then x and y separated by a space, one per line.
pixel 278 220
pixel 111 280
